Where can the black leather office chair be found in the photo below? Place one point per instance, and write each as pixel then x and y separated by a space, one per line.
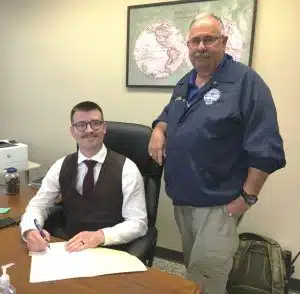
pixel 131 140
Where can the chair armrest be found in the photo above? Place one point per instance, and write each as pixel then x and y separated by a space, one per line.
pixel 140 247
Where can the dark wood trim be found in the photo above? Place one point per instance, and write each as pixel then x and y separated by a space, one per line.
pixel 169 254
pixel 294 284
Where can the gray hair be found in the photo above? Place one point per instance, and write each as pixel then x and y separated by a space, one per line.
pixel 205 15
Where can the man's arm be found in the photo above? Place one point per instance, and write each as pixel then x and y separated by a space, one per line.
pixel 156 146
pixel 262 140
pixel 44 199
pixel 157 143
pixel 255 180
pixel 163 117
pixel 162 126
pixel 134 209
pixel 253 184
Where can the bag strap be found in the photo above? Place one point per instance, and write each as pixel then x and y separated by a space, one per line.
pixel 243 247
pixel 277 269
pixel 251 236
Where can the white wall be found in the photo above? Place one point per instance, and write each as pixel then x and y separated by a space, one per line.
pixel 55 53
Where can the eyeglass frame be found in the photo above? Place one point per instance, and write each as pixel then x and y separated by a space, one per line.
pixel 101 122
pixel 202 40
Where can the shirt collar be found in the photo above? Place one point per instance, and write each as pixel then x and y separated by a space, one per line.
pixel 99 157
pixel 193 74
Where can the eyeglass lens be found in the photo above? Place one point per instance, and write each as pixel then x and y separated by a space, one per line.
pixel 205 41
pixel 81 126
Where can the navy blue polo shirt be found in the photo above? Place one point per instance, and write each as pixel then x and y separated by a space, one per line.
pixel 193 90
pixel 230 126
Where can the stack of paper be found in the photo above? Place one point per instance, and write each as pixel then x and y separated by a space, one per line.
pixel 58 264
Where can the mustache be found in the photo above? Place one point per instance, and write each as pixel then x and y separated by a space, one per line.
pixel 89 136
pixel 201 54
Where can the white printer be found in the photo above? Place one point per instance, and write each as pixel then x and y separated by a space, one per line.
pixel 13 154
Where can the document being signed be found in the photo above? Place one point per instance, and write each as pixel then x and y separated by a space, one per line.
pixel 58 264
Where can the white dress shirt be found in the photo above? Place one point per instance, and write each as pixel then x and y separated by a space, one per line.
pixel 133 210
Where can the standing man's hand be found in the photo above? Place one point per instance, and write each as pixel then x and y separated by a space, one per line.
pixel 237 206
pixel 84 240
pixel 35 242
pixel 157 143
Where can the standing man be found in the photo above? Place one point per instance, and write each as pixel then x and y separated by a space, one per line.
pixel 219 140
pixel 102 191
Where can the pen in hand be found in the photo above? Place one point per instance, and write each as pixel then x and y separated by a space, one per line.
pixel 40 231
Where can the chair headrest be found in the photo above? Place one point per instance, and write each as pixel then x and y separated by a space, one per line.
pixel 131 140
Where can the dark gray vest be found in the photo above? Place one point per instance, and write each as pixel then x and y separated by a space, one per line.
pixel 103 207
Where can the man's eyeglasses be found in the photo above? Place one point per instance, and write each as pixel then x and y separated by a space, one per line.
pixel 81 126
pixel 207 41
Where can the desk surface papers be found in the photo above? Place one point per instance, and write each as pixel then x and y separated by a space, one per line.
pixel 58 264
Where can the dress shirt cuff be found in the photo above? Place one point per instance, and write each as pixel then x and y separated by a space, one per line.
pixel 24 230
pixel 27 223
pixel 109 237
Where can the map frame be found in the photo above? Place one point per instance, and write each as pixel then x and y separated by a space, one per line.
pixel 135 78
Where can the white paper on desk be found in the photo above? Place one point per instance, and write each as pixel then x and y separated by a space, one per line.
pixel 57 264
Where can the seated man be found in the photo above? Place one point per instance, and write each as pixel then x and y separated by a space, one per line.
pixel 111 211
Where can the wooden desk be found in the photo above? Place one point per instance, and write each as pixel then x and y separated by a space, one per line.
pixel 11 250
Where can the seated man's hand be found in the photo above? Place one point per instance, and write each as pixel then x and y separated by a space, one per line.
pixel 85 240
pixel 35 242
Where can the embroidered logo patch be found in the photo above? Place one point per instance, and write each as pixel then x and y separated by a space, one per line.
pixel 212 96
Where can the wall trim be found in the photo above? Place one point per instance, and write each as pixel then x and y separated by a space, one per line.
pixel 177 256
pixel 294 284
pixel 169 254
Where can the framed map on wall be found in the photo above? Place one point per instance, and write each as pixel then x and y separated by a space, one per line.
pixel 157 55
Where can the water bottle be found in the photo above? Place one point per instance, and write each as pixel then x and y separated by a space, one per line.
pixel 12 181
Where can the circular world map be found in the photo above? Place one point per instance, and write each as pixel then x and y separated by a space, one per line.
pixel 159 50
pixel 235 44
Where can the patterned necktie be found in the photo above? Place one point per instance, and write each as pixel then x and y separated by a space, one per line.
pixel 88 182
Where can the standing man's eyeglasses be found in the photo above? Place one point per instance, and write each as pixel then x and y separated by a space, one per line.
pixel 81 126
pixel 207 41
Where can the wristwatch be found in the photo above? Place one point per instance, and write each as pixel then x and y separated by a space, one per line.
pixel 249 198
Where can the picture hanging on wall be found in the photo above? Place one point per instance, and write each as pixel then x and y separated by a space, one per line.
pixel 157 55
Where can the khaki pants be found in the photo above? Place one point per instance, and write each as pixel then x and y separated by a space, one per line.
pixel 209 242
